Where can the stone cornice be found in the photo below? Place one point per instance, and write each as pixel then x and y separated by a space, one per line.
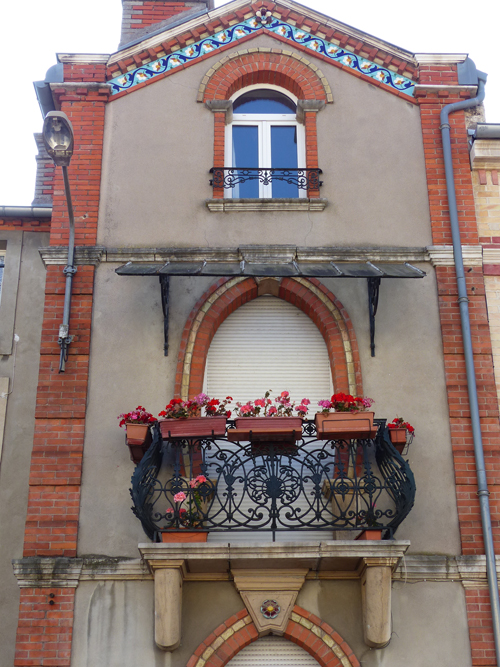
pixel 442 255
pixel 431 88
pixel 470 571
pixel 441 58
pixel 485 154
pixel 94 58
pixel 83 255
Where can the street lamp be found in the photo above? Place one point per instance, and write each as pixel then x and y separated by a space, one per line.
pixel 58 140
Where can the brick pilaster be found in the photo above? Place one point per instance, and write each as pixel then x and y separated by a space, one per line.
pixel 478 609
pixel 45 630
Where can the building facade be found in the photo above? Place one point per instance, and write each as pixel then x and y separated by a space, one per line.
pixel 260 197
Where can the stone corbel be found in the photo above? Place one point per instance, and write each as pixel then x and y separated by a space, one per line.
pixel 376 579
pixel 269 596
pixel 225 106
pixel 168 578
pixel 308 105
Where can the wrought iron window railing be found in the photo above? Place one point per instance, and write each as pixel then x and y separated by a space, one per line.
pixel 230 177
pixel 311 485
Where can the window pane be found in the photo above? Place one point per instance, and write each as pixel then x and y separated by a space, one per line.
pixel 246 155
pixel 264 101
pixel 284 156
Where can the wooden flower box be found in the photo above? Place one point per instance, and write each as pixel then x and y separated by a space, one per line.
pixel 174 536
pixel 398 438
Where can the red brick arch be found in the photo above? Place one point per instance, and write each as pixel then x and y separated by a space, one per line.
pixel 309 295
pixel 305 629
pixel 280 69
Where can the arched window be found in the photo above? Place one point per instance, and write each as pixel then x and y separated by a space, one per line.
pixel 265 145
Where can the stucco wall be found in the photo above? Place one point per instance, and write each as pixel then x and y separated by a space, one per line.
pixel 127 368
pixel 19 424
pixel 159 148
pixel 114 622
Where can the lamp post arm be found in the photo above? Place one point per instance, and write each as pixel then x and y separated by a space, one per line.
pixel 69 271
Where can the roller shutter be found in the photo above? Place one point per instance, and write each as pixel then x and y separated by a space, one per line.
pixel 273 652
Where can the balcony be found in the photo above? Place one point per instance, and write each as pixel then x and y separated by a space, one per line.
pixel 328 489
pixel 301 179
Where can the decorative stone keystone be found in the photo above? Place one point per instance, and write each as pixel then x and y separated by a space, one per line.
pixel 269 596
pixel 376 577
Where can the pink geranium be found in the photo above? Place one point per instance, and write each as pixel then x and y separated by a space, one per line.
pixel 179 497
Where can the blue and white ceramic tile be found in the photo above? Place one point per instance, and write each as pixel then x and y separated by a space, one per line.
pixel 236 32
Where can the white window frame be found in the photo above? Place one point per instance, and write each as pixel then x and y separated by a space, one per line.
pixel 264 122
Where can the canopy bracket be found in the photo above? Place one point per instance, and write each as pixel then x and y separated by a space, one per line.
pixel 164 285
pixel 373 294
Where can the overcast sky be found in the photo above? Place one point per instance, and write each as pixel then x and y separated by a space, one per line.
pixel 32 32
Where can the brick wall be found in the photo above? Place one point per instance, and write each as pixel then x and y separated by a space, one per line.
pixel 478 609
pixel 44 175
pixel 142 16
pixel 44 633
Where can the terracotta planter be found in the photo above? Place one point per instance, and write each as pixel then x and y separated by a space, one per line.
pixel 184 536
pixel 370 534
pixel 193 427
pixel 138 440
pixel 398 438
pixel 345 425
pixel 267 430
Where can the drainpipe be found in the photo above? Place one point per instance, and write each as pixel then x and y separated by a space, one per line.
pixel 463 301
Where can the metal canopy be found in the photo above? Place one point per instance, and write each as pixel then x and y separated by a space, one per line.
pixel 372 272
pixel 279 270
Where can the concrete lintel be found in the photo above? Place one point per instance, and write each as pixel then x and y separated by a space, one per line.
pixel 285 205
pixel 442 255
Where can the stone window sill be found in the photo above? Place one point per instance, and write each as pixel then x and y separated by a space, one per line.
pixel 302 204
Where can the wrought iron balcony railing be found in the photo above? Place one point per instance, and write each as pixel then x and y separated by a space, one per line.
pixel 230 177
pixel 311 485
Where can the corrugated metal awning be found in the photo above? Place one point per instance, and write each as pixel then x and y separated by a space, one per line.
pixel 280 270
pixel 373 273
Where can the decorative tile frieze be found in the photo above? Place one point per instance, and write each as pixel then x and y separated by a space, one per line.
pixel 252 25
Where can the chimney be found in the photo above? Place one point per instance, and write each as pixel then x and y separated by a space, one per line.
pixel 141 17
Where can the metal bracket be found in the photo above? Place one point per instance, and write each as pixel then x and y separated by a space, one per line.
pixel 373 294
pixel 164 285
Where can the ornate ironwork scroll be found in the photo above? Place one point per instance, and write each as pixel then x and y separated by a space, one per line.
pixel 230 177
pixel 217 485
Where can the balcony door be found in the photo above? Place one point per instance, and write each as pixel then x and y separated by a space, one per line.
pixel 264 135
pixel 268 344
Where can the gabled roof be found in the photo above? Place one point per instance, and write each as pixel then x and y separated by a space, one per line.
pixel 287 21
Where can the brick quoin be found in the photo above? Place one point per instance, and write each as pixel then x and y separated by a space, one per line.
pixel 44 632
pixel 478 608
pixel 292 291
pixel 308 636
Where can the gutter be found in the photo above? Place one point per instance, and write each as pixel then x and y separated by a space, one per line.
pixel 25 211
pixel 480 79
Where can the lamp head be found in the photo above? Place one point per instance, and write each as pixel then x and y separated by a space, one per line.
pixel 58 137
